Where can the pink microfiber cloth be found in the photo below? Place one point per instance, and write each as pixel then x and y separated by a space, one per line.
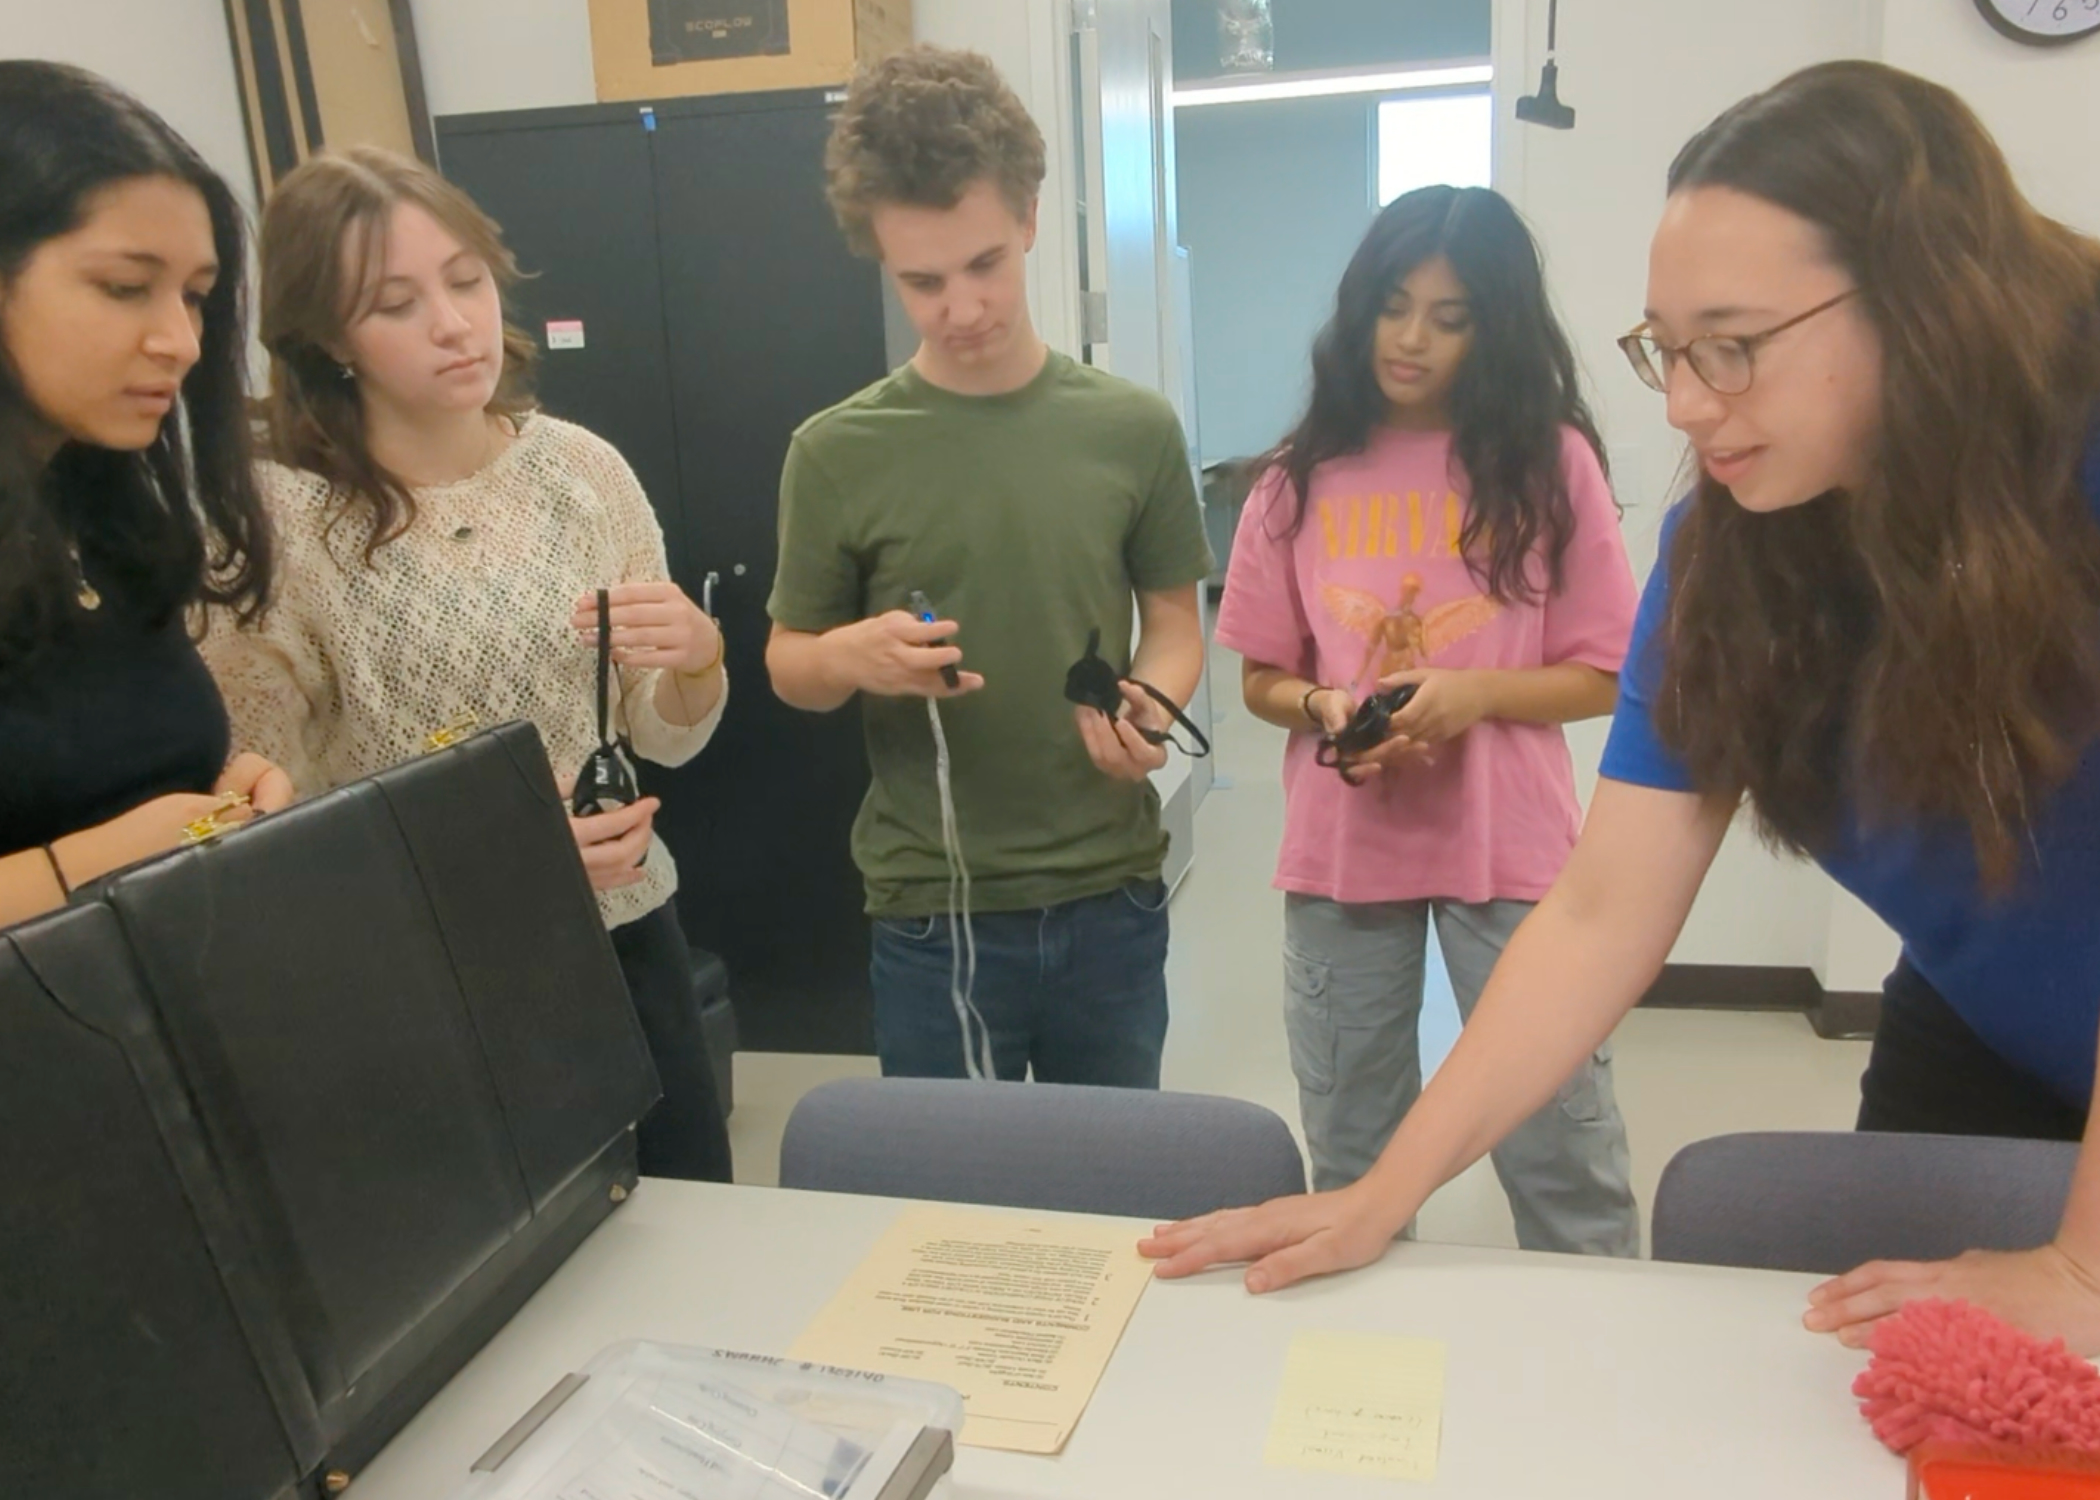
pixel 1949 1372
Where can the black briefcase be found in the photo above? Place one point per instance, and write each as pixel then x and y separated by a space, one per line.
pixel 292 1122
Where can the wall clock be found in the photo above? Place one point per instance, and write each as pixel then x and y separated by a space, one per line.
pixel 2043 23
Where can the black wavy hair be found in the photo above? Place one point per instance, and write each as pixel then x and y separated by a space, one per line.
pixel 1515 392
pixel 180 522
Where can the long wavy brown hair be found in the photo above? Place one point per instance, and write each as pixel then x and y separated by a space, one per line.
pixel 323 253
pixel 1928 647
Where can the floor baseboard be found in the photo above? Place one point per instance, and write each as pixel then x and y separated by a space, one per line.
pixel 1847 1015
pixel 1836 1015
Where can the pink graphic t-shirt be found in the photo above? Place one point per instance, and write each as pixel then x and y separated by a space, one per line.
pixel 1373 583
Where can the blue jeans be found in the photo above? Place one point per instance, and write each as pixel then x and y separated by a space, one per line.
pixel 1075 993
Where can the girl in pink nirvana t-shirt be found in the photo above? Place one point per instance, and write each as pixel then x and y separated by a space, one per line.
pixel 1439 518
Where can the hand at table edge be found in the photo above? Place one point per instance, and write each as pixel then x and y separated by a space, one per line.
pixel 2046 1291
pixel 1287 1240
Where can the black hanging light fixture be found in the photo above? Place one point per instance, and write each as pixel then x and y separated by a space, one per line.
pixel 1544 107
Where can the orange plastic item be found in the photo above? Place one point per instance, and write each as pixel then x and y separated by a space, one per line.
pixel 1951 1471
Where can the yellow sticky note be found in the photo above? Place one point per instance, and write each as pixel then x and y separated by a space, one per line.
pixel 1365 1404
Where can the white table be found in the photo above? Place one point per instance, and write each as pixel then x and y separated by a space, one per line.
pixel 1566 1378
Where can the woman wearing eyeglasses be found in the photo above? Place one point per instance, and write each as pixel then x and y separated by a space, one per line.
pixel 1877 618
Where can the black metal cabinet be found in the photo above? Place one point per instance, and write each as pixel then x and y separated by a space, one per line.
pixel 719 309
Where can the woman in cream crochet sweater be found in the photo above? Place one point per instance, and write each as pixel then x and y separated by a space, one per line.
pixel 440 547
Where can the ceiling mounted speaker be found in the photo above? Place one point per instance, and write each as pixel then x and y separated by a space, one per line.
pixel 1246 36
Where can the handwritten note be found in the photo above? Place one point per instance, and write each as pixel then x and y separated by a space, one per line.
pixel 1360 1404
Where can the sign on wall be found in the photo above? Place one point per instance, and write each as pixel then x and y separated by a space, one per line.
pixel 683 31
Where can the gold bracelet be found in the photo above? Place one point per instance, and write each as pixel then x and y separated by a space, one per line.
pixel 721 649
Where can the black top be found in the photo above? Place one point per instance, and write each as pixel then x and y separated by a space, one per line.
pixel 116 714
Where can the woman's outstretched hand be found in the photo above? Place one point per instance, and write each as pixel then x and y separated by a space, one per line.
pixel 1286 1239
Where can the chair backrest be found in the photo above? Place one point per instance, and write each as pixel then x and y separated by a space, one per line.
pixel 1129 1153
pixel 1827 1202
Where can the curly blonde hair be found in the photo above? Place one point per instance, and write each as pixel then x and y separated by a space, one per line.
pixel 919 128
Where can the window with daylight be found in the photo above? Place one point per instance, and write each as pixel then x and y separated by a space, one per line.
pixel 1436 138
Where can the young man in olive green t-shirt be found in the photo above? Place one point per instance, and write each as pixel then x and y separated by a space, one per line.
pixel 1030 499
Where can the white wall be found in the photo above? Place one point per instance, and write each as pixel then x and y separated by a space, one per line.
pixel 486 55
pixel 1261 297
pixel 1860 949
pixel 175 55
pixel 2041 103
pixel 1026 42
pixel 1643 76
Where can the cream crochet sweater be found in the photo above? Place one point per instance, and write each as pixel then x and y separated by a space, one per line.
pixel 468 613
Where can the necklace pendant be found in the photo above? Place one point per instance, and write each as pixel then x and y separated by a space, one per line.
pixel 84 592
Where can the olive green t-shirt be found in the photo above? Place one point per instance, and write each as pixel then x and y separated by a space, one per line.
pixel 1029 519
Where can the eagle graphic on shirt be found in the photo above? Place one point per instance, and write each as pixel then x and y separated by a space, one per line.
pixel 1401 639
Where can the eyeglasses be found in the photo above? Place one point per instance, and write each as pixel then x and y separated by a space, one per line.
pixel 1722 360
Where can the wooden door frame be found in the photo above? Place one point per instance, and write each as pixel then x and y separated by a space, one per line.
pixel 279 103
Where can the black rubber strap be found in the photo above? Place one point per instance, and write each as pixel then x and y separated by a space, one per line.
pixel 1166 736
pixel 604 666
pixel 58 872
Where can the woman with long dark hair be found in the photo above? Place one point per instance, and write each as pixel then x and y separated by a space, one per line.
pixel 126 494
pixel 1438 521
pixel 1877 619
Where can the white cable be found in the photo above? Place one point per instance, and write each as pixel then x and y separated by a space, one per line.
pixel 962 960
